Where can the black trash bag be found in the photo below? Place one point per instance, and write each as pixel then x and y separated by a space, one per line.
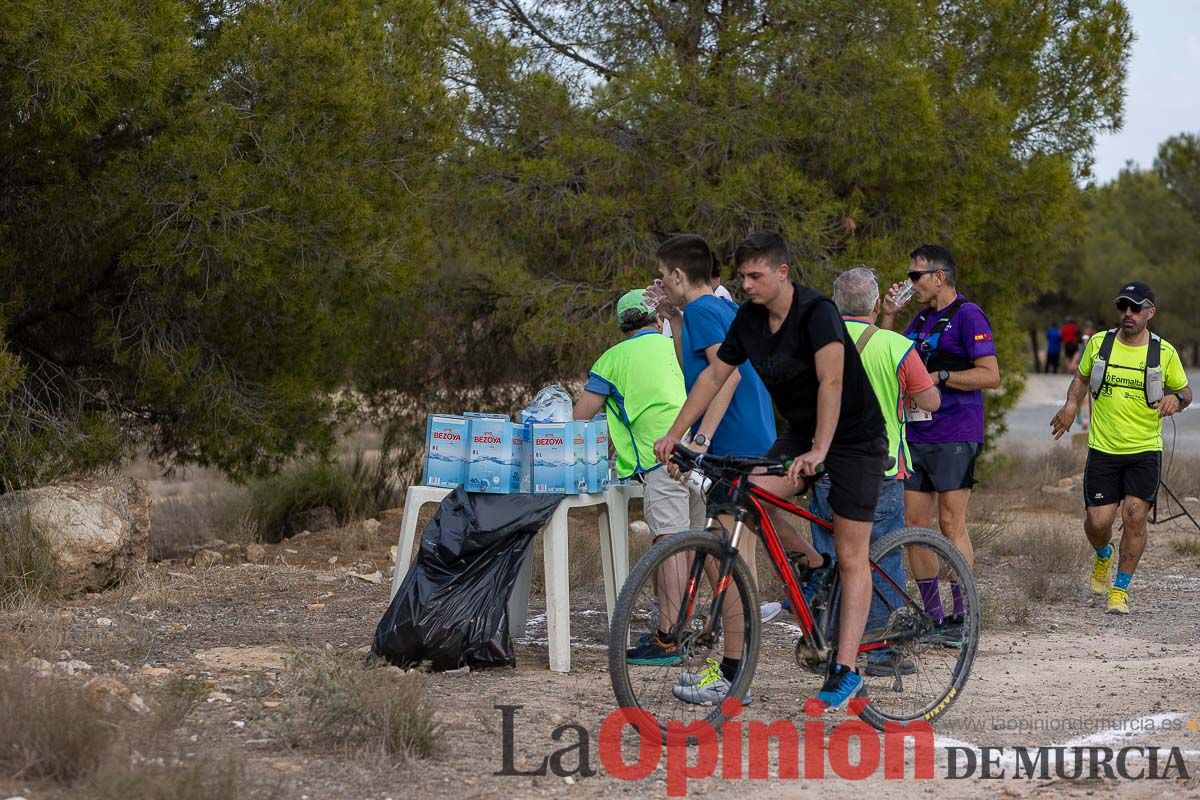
pixel 452 608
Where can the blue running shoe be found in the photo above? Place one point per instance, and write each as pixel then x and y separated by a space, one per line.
pixel 814 585
pixel 842 684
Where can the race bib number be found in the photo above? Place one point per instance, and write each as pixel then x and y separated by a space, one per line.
pixel 914 413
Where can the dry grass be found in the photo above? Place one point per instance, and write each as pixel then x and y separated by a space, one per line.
pixel 337 705
pixel 988 521
pixel 1181 472
pixel 178 697
pixel 1189 547
pixel 27 568
pixel 171 779
pixel 1045 548
pixel 1046 586
pixel 1026 472
pixel 182 521
pixel 49 730
pixel 1004 609
pixel 356 538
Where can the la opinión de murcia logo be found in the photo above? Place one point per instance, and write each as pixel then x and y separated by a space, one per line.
pixel 852 750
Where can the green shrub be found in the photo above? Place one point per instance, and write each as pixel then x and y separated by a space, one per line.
pixel 355 490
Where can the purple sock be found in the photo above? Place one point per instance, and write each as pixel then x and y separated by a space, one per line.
pixel 931 596
pixel 956 593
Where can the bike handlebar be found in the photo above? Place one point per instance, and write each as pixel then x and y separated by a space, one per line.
pixel 705 462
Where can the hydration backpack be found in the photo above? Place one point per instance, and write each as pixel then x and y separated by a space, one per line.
pixel 1153 383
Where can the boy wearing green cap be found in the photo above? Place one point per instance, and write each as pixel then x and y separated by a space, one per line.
pixel 639 384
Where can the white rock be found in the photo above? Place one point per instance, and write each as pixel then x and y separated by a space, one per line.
pixel 97 529
pixel 104 622
pixel 375 577
pixel 106 693
pixel 207 558
pixel 40 666
pixel 73 667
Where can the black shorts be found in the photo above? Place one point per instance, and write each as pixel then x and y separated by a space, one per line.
pixel 855 472
pixel 941 466
pixel 1109 478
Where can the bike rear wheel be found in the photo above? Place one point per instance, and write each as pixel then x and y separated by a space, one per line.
pixel 649 686
pixel 924 670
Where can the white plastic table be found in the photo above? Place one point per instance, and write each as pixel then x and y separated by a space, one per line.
pixel 614 552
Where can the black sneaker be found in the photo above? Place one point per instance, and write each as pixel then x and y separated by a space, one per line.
pixel 949 633
pixel 652 651
pixel 887 662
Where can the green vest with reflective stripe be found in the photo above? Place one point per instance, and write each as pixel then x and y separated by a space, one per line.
pixel 881 359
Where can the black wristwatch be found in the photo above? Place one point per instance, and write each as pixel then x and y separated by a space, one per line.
pixel 943 376
pixel 1179 397
pixel 700 440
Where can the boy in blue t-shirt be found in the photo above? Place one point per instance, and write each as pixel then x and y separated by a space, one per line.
pixel 739 421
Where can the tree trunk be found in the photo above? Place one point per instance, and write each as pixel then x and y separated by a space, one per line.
pixel 1037 356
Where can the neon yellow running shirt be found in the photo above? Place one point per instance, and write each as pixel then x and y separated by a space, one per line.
pixel 1122 423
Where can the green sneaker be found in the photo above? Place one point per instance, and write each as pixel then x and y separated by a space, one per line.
pixel 710 690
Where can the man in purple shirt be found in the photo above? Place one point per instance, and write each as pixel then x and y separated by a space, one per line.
pixel 954 339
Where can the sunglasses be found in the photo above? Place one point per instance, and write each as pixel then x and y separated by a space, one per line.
pixel 1128 305
pixel 914 275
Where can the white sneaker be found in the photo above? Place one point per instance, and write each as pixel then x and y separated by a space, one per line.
pixel 709 692
pixel 769 611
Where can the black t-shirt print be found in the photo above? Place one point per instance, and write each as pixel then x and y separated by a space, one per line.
pixel 786 363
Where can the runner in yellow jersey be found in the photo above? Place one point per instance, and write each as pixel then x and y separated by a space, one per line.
pixel 1136 380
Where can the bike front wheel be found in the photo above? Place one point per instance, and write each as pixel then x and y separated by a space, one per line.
pixel 672 590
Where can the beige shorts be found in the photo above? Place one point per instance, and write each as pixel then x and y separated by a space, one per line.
pixel 670 506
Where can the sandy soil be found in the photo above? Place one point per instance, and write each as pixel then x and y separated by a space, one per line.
pixel 1064 663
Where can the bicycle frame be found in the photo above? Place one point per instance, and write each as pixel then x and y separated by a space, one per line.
pixel 748 502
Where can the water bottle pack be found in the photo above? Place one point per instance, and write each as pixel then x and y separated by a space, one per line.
pixel 491 453
pixel 495 454
pixel 446 450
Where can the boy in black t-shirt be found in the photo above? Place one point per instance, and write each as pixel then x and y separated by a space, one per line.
pixel 798 344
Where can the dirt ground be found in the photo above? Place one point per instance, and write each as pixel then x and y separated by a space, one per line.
pixel 1059 667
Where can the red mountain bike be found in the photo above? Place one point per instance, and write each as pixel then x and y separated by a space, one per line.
pixel 927 668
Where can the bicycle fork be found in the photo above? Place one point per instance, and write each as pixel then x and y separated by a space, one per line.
pixel 708 636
